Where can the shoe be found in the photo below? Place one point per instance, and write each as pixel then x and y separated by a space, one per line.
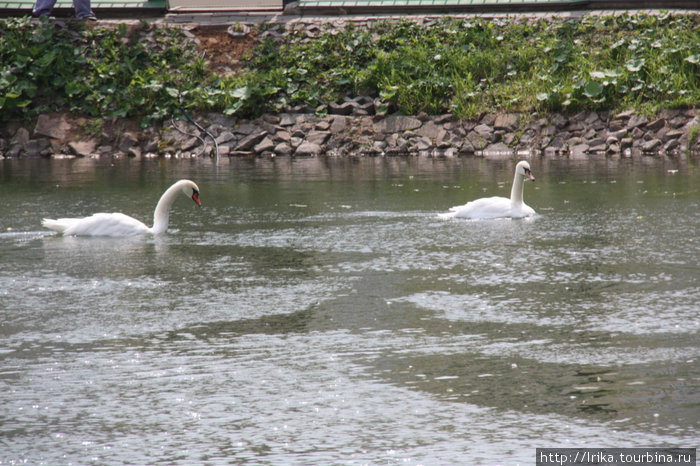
pixel 88 18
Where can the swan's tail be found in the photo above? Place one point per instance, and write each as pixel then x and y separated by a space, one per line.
pixel 60 225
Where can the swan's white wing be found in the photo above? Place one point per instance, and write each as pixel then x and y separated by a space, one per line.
pixel 523 211
pixel 484 208
pixel 115 224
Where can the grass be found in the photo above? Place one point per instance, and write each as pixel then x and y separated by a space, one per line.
pixel 462 66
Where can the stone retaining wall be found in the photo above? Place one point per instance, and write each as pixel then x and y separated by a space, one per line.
pixel 360 133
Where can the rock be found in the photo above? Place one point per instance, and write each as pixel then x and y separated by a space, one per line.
pixel 476 140
pixel 592 119
pixel 507 121
pixel 579 149
pixel 283 136
pixel 127 140
pixel 450 152
pixel 677 122
pixel 308 149
pixel 378 147
pixel 318 137
pixel 652 145
pixel 421 144
pixel 287 120
pixel 558 142
pixel 549 130
pixel 37 147
pixel 13 151
pixel 655 125
pixel 616 125
pixel 283 149
pixel 597 148
pixel 225 136
pixel 637 133
pixel 626 143
pixel 83 148
pixel 619 134
pixel 21 137
pixel 295 142
pixel 55 127
pixel 396 124
pixel 467 147
pixel 560 121
pixel 151 145
pixel 338 125
pixel 432 131
pixel 671 145
pixel 626 114
pixel 485 131
pixel 636 121
pixel 246 129
pixel 672 134
pixel 215 130
pixel 498 150
pixel 189 144
pixel 272 119
pixel 250 141
pixel 345 108
pixel 265 145
pixel 575 126
pixel 487 119
pixel 423 117
pixel 694 122
pixel 134 152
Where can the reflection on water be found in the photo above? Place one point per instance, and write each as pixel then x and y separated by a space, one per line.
pixel 319 311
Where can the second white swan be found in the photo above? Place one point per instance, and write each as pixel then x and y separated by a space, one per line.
pixel 117 224
pixel 497 207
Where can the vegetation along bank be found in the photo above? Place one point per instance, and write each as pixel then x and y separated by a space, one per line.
pixel 435 86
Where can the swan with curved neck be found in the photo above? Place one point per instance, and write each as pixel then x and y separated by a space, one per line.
pixel 117 224
pixel 497 207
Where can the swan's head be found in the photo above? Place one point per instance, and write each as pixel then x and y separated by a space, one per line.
pixel 523 169
pixel 191 190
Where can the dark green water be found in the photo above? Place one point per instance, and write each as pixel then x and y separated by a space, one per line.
pixel 319 311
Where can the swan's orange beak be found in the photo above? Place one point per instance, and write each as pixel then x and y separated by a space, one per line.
pixel 195 198
pixel 529 175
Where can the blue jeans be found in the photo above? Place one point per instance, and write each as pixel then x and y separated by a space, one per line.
pixel 82 8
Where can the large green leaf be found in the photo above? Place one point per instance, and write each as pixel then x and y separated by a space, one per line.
pixel 593 89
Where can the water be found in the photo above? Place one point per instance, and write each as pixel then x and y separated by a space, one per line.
pixel 318 311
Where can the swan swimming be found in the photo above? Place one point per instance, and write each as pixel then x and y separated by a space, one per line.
pixel 497 207
pixel 117 224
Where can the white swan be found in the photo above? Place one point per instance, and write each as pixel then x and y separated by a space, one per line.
pixel 497 207
pixel 117 224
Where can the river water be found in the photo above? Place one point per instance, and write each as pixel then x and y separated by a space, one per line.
pixel 318 311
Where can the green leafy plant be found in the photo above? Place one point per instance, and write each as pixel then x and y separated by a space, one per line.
pixel 461 65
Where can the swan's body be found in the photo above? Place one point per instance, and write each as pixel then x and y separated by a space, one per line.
pixel 497 207
pixel 117 224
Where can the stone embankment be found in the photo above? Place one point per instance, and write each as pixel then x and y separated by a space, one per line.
pixel 354 129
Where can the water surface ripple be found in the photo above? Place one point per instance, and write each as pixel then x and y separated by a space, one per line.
pixel 319 311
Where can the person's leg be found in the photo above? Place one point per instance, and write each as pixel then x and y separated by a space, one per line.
pixel 43 7
pixel 82 9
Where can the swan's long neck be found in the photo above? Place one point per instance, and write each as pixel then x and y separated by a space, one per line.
pixel 516 192
pixel 162 212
